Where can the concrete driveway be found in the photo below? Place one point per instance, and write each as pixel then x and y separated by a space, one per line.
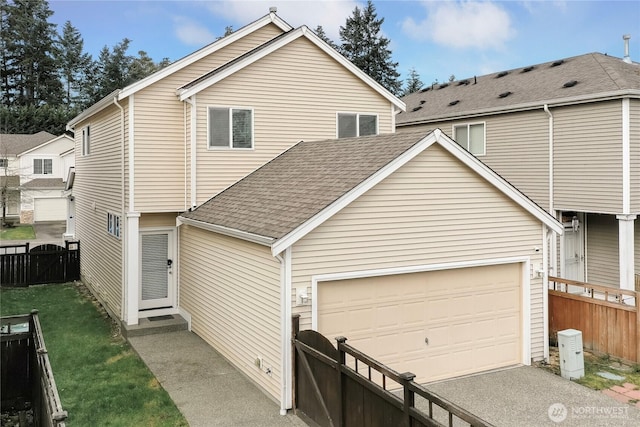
pixel 46 232
pixel 529 396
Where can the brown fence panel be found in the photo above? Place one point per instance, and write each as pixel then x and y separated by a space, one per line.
pixel 607 318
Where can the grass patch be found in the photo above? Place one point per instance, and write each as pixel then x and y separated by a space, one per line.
pixel 100 379
pixel 21 232
pixel 604 363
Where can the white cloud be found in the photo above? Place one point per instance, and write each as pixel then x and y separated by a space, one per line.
pixel 467 24
pixel 192 33
pixel 331 14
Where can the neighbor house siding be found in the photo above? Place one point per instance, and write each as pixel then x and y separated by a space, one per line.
pixel 602 250
pixel 231 288
pixel 97 190
pixel 588 157
pixel 634 133
pixel 432 210
pixel 291 102
pixel 521 157
pixel 160 136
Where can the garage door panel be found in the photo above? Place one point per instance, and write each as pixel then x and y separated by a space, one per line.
pixel 471 317
pixel 50 209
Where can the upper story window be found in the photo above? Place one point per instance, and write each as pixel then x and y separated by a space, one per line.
pixel 356 124
pixel 86 141
pixel 471 137
pixel 113 224
pixel 4 162
pixel 42 166
pixel 230 127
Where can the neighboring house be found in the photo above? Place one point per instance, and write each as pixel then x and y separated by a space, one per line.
pixel 567 134
pixel 37 166
pixel 412 248
pixel 171 141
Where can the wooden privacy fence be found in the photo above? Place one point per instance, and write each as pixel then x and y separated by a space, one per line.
pixel 343 387
pixel 26 372
pixel 608 317
pixel 21 266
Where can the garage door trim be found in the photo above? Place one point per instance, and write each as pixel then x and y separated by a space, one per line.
pixel 526 288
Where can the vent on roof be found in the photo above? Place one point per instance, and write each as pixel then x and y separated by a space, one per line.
pixel 571 83
pixel 425 89
pixel 442 86
pixel 419 107
pixel 463 82
pixel 555 64
pixel 422 101
pixel 504 94
pixel 502 74
pixel 452 103
pixel 527 69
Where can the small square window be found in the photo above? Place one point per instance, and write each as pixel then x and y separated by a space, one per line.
pixel 113 224
pixel 471 137
pixel 230 128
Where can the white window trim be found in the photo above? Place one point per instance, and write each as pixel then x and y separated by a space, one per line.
pixel 42 159
pixel 114 224
pixel 231 147
pixel 364 113
pixel 86 140
pixel 468 125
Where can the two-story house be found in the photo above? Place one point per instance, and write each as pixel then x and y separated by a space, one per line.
pixel 35 168
pixel 567 134
pixel 168 143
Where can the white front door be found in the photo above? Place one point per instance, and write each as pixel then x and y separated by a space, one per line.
pixel 573 248
pixel 156 270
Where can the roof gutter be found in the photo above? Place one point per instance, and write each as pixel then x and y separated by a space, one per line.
pixel 231 232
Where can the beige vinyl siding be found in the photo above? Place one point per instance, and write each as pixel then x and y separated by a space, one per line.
pixel 160 137
pixel 291 101
pixel 150 220
pixel 588 157
pixel 97 190
pixel 517 148
pixel 432 210
pixel 602 250
pixel 231 288
pixel 635 154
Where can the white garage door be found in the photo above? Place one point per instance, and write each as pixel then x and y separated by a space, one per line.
pixel 50 209
pixel 436 324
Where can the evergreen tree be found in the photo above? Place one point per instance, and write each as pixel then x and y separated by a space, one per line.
pixel 73 63
pixel 320 33
pixel 413 82
pixel 29 70
pixel 363 45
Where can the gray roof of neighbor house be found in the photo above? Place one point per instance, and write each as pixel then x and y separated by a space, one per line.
pixel 45 183
pixel 12 144
pixel 292 188
pixel 570 80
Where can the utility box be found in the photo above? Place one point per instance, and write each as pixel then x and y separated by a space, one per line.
pixel 571 354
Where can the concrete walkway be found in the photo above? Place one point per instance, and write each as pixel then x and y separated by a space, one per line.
pixel 46 232
pixel 205 387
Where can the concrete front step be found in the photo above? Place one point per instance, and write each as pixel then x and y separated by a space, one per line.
pixel 155 325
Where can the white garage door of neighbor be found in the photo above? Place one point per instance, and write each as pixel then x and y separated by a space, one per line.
pixel 436 324
pixel 54 209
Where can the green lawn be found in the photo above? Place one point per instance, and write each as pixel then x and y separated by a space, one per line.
pixel 20 232
pixel 101 380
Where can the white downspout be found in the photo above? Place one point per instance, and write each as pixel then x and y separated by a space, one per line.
pixel 192 101
pixel 123 301
pixel 553 250
pixel 285 328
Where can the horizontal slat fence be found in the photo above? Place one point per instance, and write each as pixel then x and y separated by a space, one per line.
pixel 607 317
pixel 21 266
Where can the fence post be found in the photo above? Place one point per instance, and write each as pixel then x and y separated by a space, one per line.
pixel 341 362
pixel 295 328
pixel 28 262
pixel 409 396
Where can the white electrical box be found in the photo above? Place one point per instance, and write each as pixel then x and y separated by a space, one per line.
pixel 571 354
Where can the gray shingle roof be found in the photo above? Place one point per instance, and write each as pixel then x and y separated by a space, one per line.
pixel 12 144
pixel 594 74
pixel 289 190
pixel 45 183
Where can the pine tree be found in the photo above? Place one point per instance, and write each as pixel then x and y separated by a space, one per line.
pixel 73 64
pixel 363 45
pixel 413 83
pixel 322 35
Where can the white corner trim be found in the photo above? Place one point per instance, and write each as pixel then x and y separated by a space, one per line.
pixel 132 154
pixel 322 216
pixel 526 312
pixel 626 156
pixel 231 232
pixel 286 393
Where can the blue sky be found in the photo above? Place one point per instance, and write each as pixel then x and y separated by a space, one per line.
pixel 437 38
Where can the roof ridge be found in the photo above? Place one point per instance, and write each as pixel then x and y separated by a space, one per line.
pixel 615 77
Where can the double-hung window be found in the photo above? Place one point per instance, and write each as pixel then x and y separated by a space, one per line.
pixel 42 166
pixel 356 124
pixel 86 141
pixel 471 136
pixel 230 127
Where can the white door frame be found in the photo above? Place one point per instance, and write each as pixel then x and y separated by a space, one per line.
pixel 171 306
pixel 582 239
